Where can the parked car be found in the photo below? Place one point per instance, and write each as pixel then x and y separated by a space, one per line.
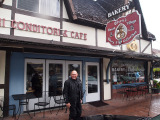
pixel 92 84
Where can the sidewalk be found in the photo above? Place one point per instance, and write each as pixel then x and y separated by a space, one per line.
pixel 135 107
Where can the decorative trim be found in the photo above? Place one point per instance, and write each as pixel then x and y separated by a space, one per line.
pixel 13 15
pixel 72 9
pixel 140 45
pixel 101 80
pixel 96 36
pixel 146 47
pixel 1 86
pixel 6 7
pixel 37 15
pixel 61 19
pixel 7 77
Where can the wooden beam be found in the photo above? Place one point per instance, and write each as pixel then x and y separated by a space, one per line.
pixel 1 86
pixel 146 47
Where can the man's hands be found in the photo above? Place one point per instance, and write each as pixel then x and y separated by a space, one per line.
pixel 68 105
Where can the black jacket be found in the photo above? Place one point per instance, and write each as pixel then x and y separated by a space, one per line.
pixel 72 90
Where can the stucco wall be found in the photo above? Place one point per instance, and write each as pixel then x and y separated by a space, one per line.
pixel 65 15
pixel 101 35
pixel 144 43
pixel 8 2
pixel 5 14
pixel 80 29
pixel 37 21
pixel 107 87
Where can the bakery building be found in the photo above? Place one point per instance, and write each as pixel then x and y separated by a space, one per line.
pixel 49 38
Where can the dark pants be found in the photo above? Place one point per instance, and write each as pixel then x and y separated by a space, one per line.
pixel 75 110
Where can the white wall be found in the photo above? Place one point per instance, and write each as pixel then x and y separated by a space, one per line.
pixel 5 14
pixel 8 2
pixel 38 21
pixel 2 66
pixel 107 87
pixel 65 15
pixel 101 35
pixel 80 29
pixel 144 43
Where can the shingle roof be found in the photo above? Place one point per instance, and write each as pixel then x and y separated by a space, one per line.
pixel 95 10
pixel 94 13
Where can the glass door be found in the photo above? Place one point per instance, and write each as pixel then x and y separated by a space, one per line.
pixel 92 82
pixel 34 81
pixel 73 65
pixel 55 78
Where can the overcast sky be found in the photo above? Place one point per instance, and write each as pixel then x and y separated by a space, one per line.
pixel 151 9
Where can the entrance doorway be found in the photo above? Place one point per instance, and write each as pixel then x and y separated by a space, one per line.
pixel 92 82
pixel 48 75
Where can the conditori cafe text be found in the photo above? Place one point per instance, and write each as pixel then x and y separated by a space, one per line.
pixel 20 25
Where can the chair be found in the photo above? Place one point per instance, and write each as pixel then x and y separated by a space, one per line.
pixel 60 101
pixel 141 90
pixel 6 108
pixel 132 91
pixel 121 91
pixel 42 102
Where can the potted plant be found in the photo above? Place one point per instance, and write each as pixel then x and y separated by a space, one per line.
pixel 156 86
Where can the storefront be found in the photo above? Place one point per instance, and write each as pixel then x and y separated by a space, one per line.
pixel 128 71
pixel 41 46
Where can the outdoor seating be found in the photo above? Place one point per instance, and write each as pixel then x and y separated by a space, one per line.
pixel 132 91
pixel 4 108
pixel 60 100
pixel 42 102
pixel 141 90
pixel 23 100
pixel 122 91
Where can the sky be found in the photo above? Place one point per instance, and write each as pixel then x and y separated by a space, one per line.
pixel 151 9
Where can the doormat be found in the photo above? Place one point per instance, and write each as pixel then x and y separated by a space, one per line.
pixel 98 103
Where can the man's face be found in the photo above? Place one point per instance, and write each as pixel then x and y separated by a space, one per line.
pixel 74 75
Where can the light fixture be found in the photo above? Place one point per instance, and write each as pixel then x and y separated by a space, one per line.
pixel 95 0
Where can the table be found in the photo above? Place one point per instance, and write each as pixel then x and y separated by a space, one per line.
pixel 23 100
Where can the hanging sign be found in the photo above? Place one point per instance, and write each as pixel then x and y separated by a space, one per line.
pixel 124 29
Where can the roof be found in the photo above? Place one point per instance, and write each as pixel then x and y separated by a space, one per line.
pixel 94 13
pixel 95 10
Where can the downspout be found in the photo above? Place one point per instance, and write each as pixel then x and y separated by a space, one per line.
pixel 107 71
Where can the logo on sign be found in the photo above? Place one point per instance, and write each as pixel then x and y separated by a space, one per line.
pixel 124 29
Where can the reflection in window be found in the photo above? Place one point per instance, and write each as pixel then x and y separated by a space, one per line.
pixel 55 79
pixel 125 72
pixel 34 78
pixel 74 67
pixel 46 7
pixel 92 79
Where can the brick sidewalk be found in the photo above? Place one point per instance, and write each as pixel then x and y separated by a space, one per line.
pixel 135 107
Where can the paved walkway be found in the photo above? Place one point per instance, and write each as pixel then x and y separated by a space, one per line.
pixel 134 107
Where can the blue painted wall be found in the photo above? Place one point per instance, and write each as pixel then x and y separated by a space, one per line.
pixel 16 84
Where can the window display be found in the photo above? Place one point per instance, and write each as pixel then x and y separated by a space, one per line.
pixel 125 72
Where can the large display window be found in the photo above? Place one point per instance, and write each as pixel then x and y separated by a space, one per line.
pixel 127 71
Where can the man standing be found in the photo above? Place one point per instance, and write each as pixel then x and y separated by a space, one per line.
pixel 73 94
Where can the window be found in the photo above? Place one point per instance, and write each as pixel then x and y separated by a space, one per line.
pixel 126 72
pixel 46 7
